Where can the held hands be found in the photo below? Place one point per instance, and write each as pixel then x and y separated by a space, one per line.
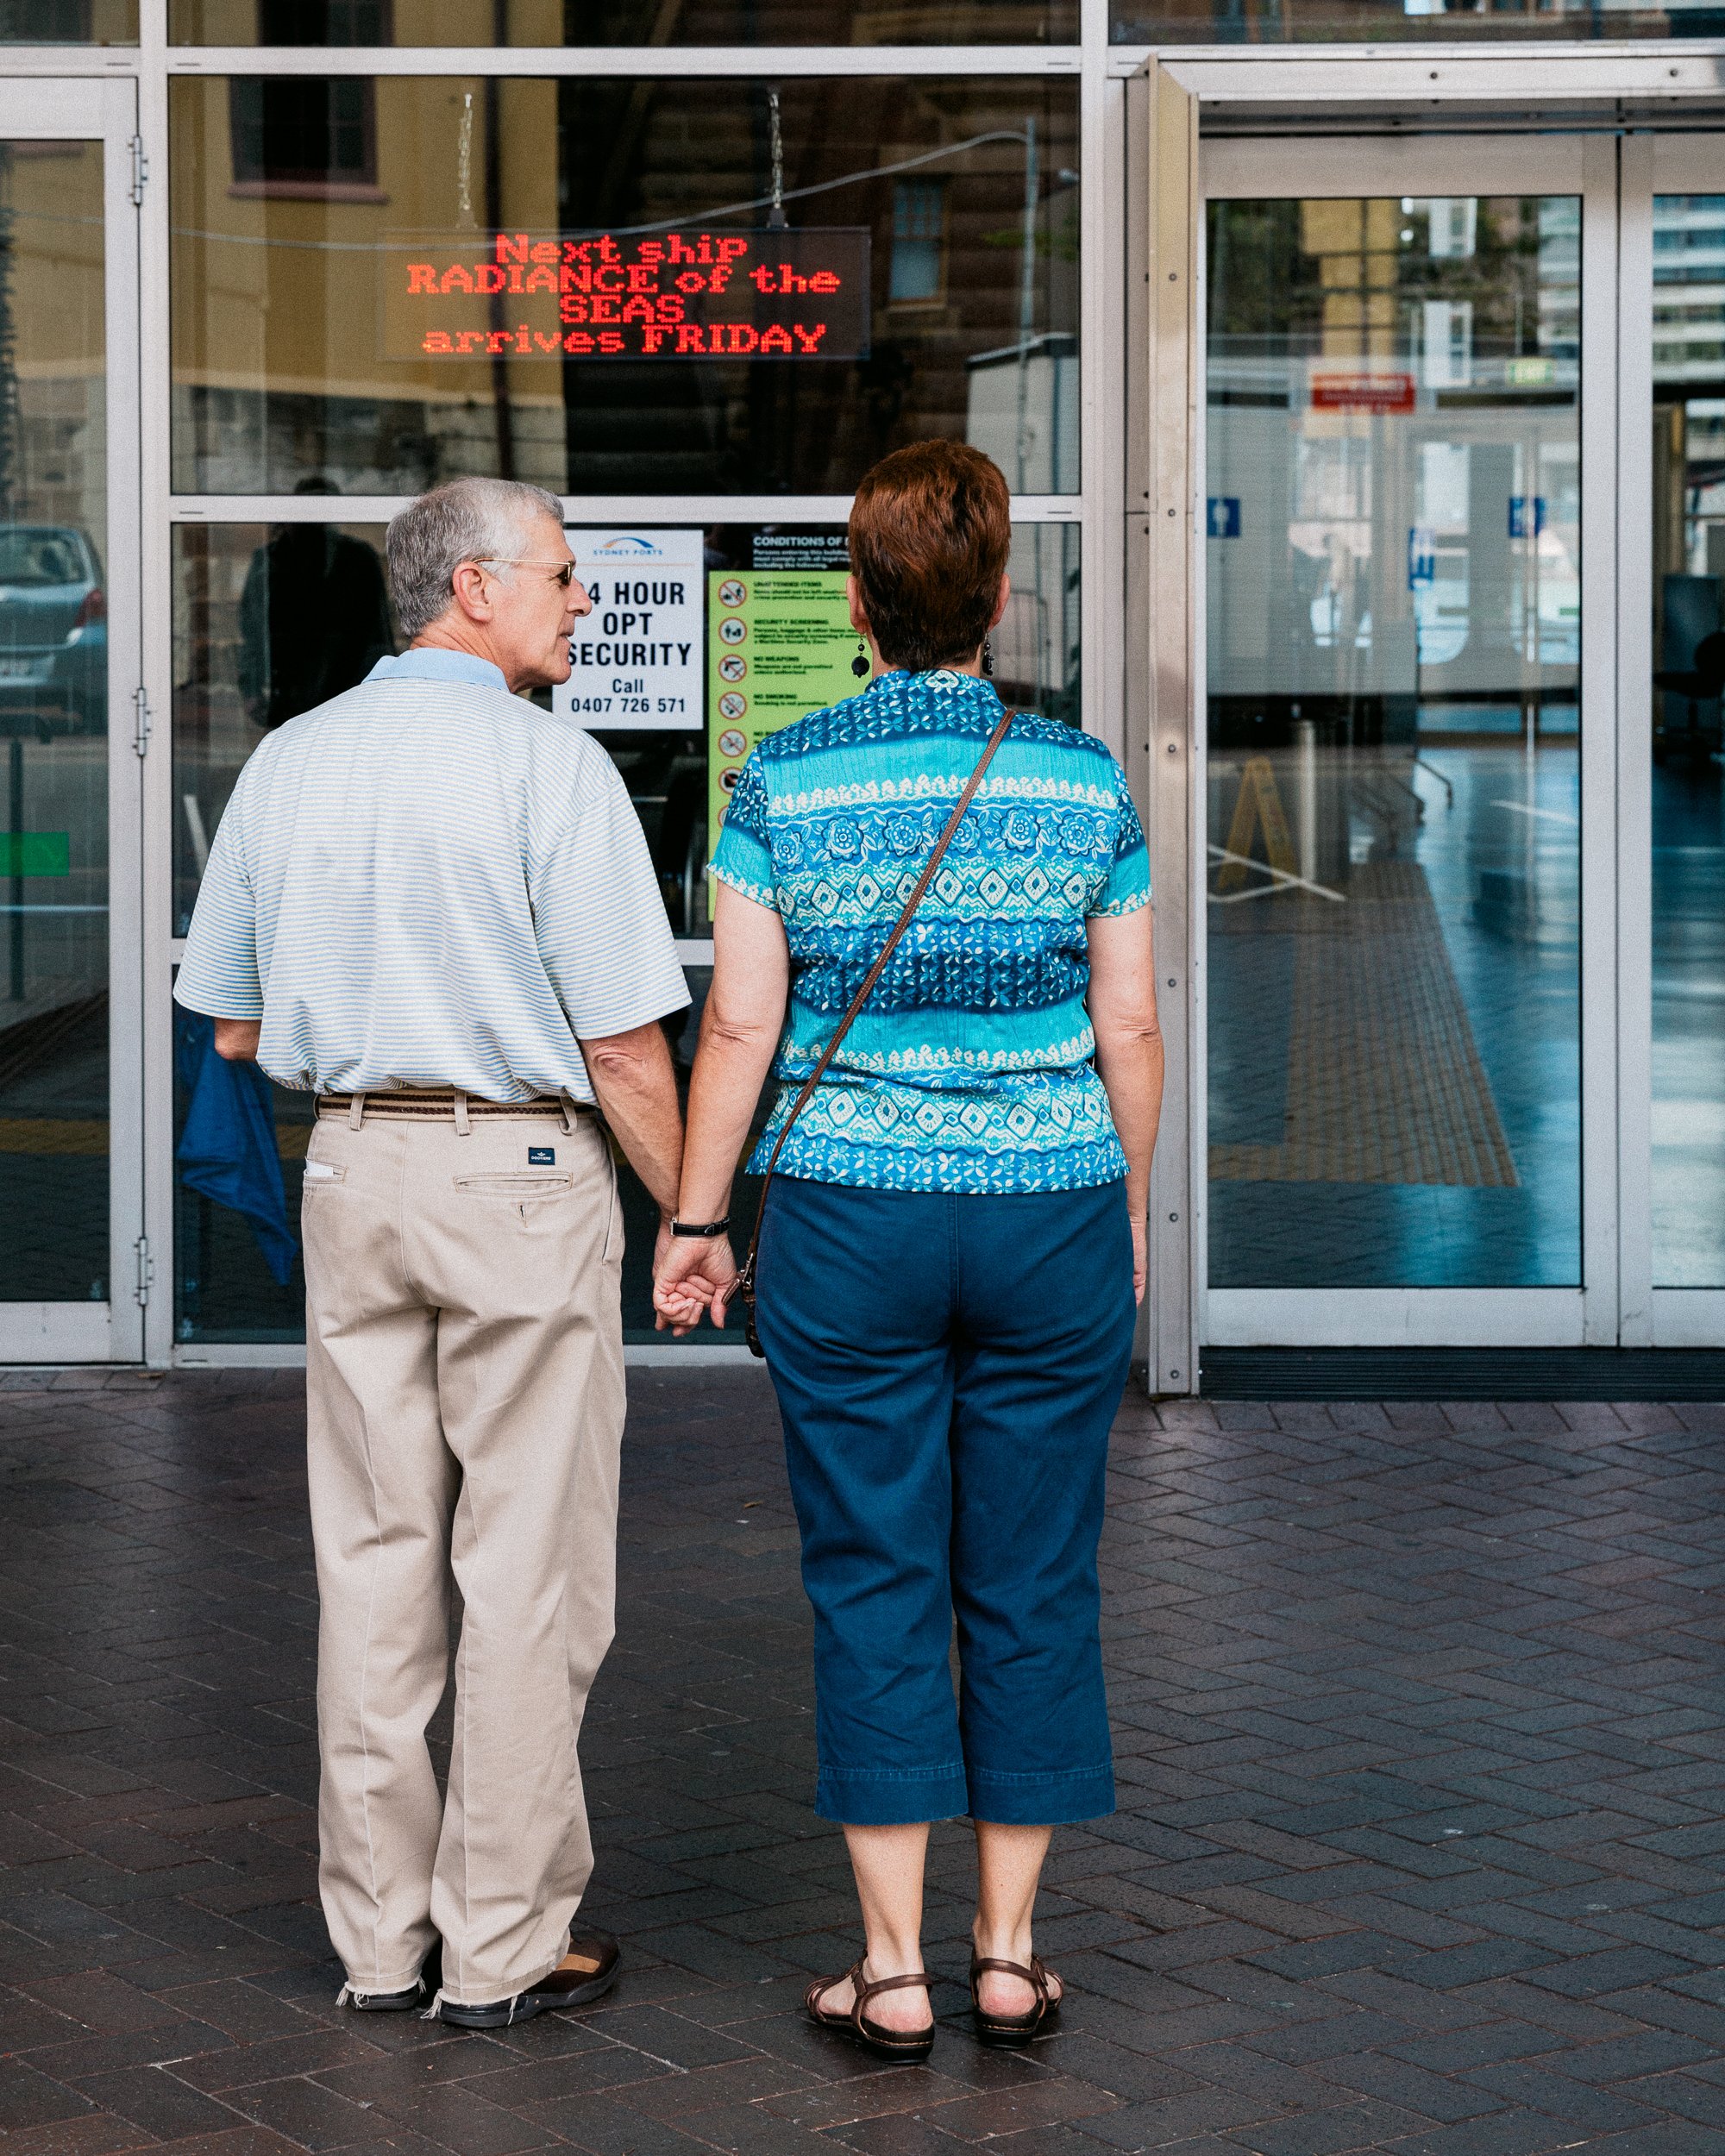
pixel 690 1276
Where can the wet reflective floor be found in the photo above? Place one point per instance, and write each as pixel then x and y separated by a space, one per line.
pixel 1418 1713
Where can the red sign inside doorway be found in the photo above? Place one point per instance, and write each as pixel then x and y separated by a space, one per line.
pixel 1363 393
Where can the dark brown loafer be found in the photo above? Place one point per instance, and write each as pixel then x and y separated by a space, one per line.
pixel 587 1972
pixel 885 2043
pixel 1012 2028
pixel 425 1987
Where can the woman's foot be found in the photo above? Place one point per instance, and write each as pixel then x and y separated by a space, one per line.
pixel 1008 1997
pixel 1014 1998
pixel 908 2012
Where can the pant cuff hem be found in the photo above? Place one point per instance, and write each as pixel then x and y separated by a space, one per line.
pixel 1035 1800
pixel 892 1799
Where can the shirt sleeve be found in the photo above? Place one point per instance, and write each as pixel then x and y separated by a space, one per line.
pixel 218 973
pixel 744 857
pixel 600 921
pixel 1127 886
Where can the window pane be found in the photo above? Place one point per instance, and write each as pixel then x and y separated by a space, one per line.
pixel 68 21
pixel 1688 796
pixel 239 1159
pixel 1380 22
pixel 521 22
pixel 267 623
pixel 270 621
pixel 389 283
pixel 1393 595
pixel 53 726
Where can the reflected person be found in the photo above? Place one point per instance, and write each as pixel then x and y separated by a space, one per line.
pixel 430 904
pixel 314 617
pixel 953 1246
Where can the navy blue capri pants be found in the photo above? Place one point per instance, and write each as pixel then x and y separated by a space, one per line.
pixel 948 1369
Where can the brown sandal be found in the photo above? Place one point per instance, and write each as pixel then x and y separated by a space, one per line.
pixel 885 2043
pixel 1012 2028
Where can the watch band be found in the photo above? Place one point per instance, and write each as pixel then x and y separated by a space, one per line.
pixel 707 1229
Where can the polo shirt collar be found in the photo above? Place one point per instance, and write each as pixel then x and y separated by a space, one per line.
pixel 429 665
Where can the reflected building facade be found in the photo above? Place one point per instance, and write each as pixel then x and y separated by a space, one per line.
pixel 1366 429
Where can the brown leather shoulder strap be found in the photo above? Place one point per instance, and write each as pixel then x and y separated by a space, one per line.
pixel 929 870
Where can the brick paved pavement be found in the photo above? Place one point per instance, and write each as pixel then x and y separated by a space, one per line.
pixel 1419 1715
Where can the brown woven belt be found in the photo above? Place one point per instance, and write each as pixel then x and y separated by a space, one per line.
pixel 441 1103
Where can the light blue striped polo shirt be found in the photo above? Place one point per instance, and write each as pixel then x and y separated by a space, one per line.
pixel 428 881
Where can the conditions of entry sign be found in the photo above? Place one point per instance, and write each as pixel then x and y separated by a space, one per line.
pixel 637 658
pixel 718 295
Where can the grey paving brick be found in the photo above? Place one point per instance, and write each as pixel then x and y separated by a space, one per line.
pixel 1418 1723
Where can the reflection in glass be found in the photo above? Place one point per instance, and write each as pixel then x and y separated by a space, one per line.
pixel 523 22
pixel 53 726
pixel 1393 575
pixel 68 21
pixel 267 622
pixel 243 663
pixel 1381 22
pixel 270 621
pixel 301 206
pixel 1688 783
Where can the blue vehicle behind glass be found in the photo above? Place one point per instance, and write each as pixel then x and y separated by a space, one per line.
pixel 53 631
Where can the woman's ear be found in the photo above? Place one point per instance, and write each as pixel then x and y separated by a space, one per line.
pixel 1000 603
pixel 853 599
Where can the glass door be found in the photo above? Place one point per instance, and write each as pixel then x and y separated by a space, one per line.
pixel 1674 322
pixel 69 1173
pixel 1407 971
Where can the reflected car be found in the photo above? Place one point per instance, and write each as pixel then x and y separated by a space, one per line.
pixel 53 631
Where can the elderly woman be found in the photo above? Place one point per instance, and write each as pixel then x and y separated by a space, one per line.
pixel 953 1246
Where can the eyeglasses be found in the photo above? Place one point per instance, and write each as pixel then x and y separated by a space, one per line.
pixel 563 572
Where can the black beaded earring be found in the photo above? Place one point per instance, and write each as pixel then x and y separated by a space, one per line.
pixel 987 658
pixel 859 665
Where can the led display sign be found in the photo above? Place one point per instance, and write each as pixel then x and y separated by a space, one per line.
pixel 684 295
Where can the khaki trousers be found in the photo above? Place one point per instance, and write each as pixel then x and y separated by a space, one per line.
pixel 465 1405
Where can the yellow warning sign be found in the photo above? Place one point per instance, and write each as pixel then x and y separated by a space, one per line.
pixel 1259 807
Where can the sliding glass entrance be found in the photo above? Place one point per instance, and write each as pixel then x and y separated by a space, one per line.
pixel 70 1145
pixel 1397 713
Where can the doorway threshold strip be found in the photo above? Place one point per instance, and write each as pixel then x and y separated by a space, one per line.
pixel 1461 1373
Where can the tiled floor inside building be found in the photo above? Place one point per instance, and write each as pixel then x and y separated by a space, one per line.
pixel 1420 1714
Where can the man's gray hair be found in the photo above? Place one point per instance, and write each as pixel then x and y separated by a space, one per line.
pixel 469 520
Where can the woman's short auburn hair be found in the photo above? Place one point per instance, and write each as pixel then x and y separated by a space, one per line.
pixel 929 532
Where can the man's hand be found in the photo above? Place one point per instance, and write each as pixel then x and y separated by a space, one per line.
pixel 689 1275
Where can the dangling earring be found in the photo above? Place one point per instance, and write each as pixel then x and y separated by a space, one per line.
pixel 987 658
pixel 859 665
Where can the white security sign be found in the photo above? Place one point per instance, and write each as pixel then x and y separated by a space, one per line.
pixel 638 658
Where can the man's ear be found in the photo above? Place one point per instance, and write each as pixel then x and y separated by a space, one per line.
pixel 468 586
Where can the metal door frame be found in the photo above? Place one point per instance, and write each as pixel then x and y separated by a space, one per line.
pixel 1652 165
pixel 1575 160
pixel 105 110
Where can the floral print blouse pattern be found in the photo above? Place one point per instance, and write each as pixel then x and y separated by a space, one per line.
pixel 970 1068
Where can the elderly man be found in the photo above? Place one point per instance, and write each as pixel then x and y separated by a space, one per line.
pixel 430 904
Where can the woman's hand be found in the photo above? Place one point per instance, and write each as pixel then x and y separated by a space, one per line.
pixel 1140 1259
pixel 691 1276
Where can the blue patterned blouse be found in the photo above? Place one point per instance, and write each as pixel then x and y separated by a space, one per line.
pixel 970 1068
